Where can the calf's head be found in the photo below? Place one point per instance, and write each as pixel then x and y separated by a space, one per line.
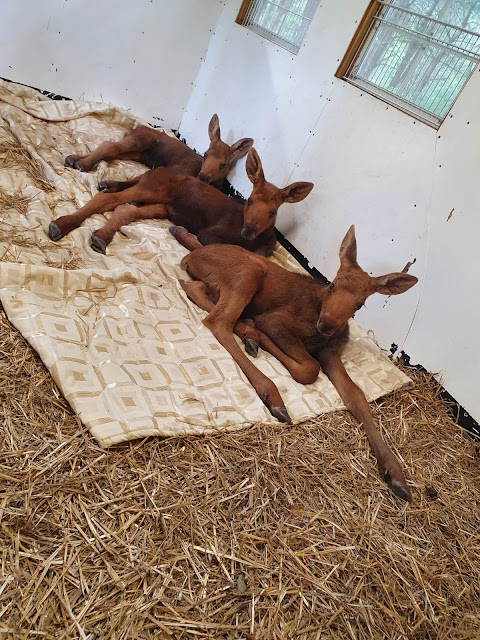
pixel 261 207
pixel 352 286
pixel 220 157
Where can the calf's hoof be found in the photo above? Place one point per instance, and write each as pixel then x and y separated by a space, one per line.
pixel 251 347
pixel 54 232
pixel 103 186
pixel 401 490
pixel 174 229
pixel 99 245
pixel 280 414
pixel 71 163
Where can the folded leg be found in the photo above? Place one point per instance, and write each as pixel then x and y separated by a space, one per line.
pixel 287 347
pixel 198 293
pixel 221 321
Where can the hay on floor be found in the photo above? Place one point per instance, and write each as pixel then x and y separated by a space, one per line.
pixel 268 533
pixel 13 155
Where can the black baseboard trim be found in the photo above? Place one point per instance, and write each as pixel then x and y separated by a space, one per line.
pixel 458 413
pixel 49 94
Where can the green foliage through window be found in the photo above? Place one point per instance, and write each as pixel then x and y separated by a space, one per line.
pixel 282 21
pixel 418 54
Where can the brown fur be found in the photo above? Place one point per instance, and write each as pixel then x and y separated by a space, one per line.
pixel 302 323
pixel 188 202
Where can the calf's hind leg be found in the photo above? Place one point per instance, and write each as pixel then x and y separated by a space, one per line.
pixel 221 320
pixel 287 348
pixel 197 291
pixel 187 240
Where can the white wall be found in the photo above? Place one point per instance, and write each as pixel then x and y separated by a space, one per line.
pixel 138 54
pixel 373 166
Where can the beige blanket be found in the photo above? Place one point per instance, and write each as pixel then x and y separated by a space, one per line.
pixel 117 333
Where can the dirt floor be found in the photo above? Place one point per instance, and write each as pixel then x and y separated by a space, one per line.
pixel 268 533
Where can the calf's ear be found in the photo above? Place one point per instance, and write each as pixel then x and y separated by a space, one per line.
pixel 254 168
pixel 348 248
pixel 394 283
pixel 214 129
pixel 297 191
pixel 241 148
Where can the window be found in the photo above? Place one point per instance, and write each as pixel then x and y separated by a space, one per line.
pixel 284 22
pixel 415 54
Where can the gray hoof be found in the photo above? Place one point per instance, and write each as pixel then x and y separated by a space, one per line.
pixel 102 186
pixel 71 163
pixel 251 347
pixel 174 229
pixel 401 490
pixel 280 414
pixel 54 232
pixel 99 245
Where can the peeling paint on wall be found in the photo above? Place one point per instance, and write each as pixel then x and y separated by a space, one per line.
pixel 408 265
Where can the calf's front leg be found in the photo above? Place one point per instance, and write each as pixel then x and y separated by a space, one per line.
pixel 357 404
pixel 286 347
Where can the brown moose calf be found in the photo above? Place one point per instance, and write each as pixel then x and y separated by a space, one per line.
pixel 157 149
pixel 302 323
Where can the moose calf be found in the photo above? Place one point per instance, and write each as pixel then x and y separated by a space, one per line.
pixel 157 149
pixel 302 323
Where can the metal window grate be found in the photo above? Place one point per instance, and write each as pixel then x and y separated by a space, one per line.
pixel 418 62
pixel 284 22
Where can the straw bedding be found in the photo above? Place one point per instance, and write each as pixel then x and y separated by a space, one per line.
pixel 273 532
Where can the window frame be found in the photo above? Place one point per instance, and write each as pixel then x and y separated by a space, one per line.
pixel 354 50
pixel 265 33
